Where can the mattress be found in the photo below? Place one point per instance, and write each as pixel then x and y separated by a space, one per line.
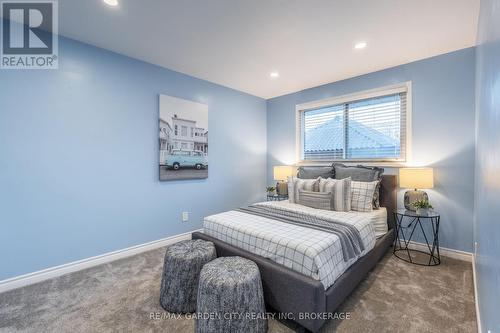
pixel 314 253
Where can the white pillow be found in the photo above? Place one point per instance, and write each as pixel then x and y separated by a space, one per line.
pixel 341 192
pixel 295 184
pixel 362 195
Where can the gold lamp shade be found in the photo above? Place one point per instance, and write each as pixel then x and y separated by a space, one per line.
pixel 416 178
pixel 282 172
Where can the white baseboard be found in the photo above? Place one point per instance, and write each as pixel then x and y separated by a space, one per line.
pixel 445 252
pixel 52 272
pixel 476 297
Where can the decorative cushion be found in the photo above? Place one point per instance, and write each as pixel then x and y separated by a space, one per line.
pixel 319 200
pixel 340 190
pixel 360 173
pixel 295 184
pixel 362 195
pixel 311 172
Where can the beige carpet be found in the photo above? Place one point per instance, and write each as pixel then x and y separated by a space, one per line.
pixel 123 297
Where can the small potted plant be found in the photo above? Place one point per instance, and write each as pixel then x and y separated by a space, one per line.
pixel 271 190
pixel 422 206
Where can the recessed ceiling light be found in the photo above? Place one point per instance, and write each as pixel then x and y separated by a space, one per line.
pixel 360 45
pixel 113 3
pixel 274 75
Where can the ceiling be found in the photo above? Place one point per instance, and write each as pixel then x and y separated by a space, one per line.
pixel 237 43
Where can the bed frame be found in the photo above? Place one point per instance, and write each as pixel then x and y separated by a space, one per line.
pixel 289 292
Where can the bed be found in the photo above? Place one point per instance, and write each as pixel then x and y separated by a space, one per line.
pixel 316 277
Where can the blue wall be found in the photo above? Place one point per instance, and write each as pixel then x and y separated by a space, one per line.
pixel 487 194
pixel 79 155
pixel 78 151
pixel 443 131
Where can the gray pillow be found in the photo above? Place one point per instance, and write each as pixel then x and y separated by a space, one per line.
pixel 319 200
pixel 360 173
pixel 313 172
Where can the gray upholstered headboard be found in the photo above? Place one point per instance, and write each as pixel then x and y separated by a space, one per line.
pixel 388 196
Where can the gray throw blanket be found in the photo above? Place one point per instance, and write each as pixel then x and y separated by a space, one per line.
pixel 352 244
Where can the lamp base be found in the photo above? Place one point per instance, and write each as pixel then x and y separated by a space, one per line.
pixel 413 196
pixel 282 188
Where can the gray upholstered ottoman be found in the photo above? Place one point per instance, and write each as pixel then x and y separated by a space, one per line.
pixel 181 272
pixel 230 297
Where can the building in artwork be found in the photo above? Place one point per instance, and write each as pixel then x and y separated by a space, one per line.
pixel 181 134
pixel 165 136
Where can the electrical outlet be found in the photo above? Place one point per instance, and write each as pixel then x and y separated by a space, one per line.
pixel 185 216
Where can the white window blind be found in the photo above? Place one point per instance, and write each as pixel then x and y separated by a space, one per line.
pixel 372 129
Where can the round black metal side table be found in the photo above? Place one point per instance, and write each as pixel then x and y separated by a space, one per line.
pixel 407 222
pixel 277 197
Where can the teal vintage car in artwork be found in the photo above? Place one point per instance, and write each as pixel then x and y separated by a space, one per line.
pixel 186 159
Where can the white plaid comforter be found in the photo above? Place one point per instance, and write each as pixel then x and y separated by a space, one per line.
pixel 312 252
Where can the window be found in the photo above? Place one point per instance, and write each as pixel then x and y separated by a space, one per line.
pixel 175 129
pixel 184 130
pixel 368 127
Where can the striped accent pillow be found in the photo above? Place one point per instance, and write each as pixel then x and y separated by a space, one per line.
pixel 295 184
pixel 362 195
pixel 319 200
pixel 340 190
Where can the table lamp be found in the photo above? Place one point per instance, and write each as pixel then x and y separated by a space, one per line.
pixel 415 178
pixel 281 174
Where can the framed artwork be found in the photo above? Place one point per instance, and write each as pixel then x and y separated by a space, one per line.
pixel 183 135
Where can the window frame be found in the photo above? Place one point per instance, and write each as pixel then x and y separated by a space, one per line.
pixel 372 93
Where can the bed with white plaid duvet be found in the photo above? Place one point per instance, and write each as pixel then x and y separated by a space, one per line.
pixel 312 252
